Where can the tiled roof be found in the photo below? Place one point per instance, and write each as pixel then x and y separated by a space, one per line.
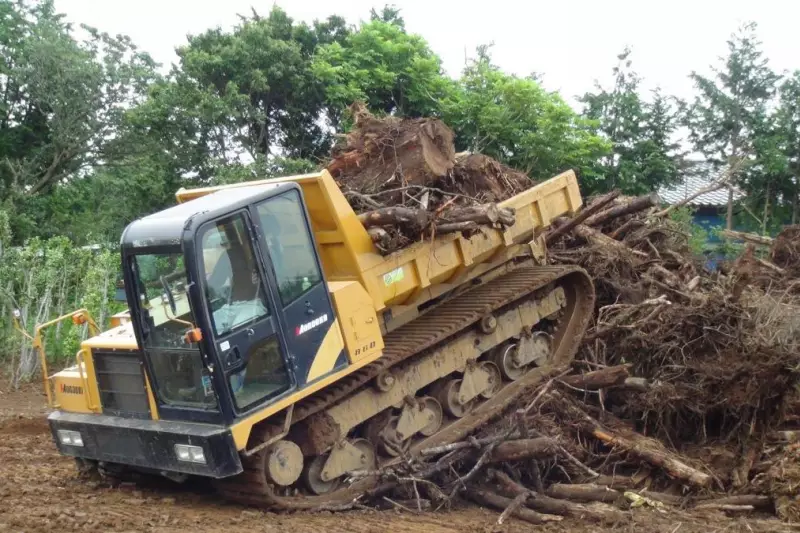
pixel 693 183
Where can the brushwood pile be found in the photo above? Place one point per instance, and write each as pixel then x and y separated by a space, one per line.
pixel 684 393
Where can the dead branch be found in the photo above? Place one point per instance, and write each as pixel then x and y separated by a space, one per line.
pixel 635 205
pixel 518 450
pixel 554 506
pixel 487 498
pixel 586 492
pixel 598 379
pixel 595 237
pixel 598 204
pixel 747 237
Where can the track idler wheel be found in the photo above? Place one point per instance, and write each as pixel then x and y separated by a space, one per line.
pixel 284 463
pixel 448 396
pixel 312 476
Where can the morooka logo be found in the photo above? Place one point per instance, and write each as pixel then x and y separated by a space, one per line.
pixel 308 326
pixel 71 389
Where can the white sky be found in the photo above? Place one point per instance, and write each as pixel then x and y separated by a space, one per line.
pixel 571 42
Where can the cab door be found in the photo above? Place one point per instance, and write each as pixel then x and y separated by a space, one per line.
pixel 312 334
pixel 242 317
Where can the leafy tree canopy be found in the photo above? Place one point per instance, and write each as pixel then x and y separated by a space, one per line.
pixel 644 155
pixel 515 120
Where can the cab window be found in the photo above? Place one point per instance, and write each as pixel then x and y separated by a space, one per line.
pixel 290 246
pixel 233 286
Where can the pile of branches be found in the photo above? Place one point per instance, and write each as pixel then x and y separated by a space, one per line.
pixel 683 394
pixel 406 182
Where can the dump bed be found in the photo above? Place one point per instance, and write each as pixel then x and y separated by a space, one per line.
pixel 428 268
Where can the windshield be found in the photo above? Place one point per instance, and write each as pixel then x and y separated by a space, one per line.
pixel 180 375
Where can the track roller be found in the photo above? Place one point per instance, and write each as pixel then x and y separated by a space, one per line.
pixel 448 396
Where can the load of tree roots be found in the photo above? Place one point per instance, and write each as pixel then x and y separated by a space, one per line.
pixel 684 391
pixel 406 181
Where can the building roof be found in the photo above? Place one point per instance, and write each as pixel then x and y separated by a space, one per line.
pixel 702 176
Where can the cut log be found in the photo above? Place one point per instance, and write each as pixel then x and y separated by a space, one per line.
pixel 380 237
pixel 380 150
pixel 754 500
pixel 640 203
pixel 518 450
pixel 490 499
pixel 586 492
pixel 595 237
pixel 747 237
pixel 621 231
pixel 598 204
pixel 771 266
pixel 649 450
pixel 413 220
pixel 643 447
pixel 637 384
pixel 452 227
pixel 598 379
pixel 726 508
pixel 614 482
pixel 545 504
pixel 663 497
pixel 481 214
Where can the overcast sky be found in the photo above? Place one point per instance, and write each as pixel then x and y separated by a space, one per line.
pixel 570 42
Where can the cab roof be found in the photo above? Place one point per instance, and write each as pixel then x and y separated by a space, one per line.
pixel 166 228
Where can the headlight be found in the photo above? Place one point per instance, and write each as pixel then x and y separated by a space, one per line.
pixel 190 454
pixel 70 438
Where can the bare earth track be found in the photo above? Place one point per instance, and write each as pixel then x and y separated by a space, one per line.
pixel 41 491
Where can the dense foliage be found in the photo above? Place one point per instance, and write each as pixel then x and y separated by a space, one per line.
pixel 93 134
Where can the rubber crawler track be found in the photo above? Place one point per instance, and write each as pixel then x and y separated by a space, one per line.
pixel 440 325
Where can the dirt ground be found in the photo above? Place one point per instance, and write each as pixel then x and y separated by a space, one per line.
pixel 40 491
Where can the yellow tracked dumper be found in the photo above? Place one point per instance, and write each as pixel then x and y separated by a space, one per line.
pixel 270 347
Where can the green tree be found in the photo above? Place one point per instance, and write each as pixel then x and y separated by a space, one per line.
pixel 62 101
pixel 518 122
pixel 730 109
pixel 392 71
pixel 244 95
pixel 788 123
pixel 644 155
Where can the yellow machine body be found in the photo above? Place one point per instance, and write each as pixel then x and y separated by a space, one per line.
pixel 372 294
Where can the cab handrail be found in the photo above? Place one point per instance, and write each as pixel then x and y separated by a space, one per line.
pixel 79 317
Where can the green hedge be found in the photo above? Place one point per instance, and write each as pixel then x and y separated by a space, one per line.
pixel 43 280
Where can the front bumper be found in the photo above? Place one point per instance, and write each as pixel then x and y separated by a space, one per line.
pixel 148 444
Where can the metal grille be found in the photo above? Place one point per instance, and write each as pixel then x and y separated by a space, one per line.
pixel 120 379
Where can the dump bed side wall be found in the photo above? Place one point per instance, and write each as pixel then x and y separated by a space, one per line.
pixel 347 252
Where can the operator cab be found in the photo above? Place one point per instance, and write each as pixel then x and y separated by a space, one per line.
pixel 222 290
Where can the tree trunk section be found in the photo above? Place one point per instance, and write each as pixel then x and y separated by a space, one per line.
pixel 490 499
pixel 639 203
pixel 644 448
pixel 587 492
pixel 598 379
pixel 598 204
pixel 518 450
pixel 545 504
pixel 599 239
